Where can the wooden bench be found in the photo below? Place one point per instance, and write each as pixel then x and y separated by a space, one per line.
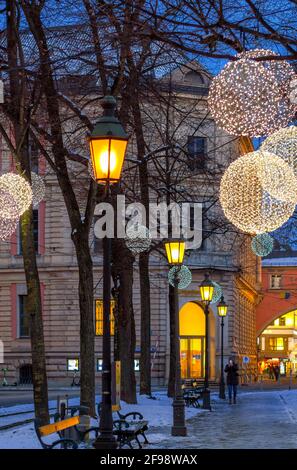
pixel 192 396
pixel 128 430
pixel 58 427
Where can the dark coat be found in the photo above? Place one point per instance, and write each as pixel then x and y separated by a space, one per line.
pixel 232 374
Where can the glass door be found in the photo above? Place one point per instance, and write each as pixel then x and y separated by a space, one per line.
pixel 191 357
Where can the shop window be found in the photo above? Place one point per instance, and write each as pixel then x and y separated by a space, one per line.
pixel 275 281
pixel 99 317
pixel 276 344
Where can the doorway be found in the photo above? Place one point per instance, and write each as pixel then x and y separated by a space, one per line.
pixel 26 374
pixel 192 358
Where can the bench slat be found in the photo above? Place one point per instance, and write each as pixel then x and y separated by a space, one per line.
pixel 58 426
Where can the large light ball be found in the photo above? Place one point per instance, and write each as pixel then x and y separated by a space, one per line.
pixel 38 189
pixel 184 276
pixel 217 292
pixel 138 239
pixel 283 143
pixel 262 244
pixel 251 97
pixel 245 193
pixel 8 206
pixel 19 188
pixel 7 228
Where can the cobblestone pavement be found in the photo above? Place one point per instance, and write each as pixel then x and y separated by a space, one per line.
pixel 266 420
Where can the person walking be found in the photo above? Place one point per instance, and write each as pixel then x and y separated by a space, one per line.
pixel 232 380
pixel 276 373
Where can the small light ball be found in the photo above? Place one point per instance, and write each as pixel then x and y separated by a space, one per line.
pixel 283 143
pixel 262 244
pixel 184 276
pixel 137 239
pixel 245 193
pixel 38 189
pixel 217 292
pixel 252 97
pixel 19 188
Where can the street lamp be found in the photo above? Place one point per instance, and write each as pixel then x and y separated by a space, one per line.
pixel 206 292
pixel 108 142
pixel 222 312
pixel 175 250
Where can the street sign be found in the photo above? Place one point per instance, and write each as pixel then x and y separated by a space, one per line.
pixel 245 359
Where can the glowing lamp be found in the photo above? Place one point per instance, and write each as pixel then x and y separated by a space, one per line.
pixel 175 251
pixel 206 289
pixel 108 144
pixel 222 307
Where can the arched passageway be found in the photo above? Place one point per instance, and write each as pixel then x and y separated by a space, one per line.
pixel 192 341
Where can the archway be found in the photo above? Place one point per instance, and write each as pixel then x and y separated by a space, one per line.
pixel 277 345
pixel 192 341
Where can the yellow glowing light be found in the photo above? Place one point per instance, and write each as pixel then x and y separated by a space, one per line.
pixel 175 250
pixel 206 289
pixel 107 158
pixel 257 192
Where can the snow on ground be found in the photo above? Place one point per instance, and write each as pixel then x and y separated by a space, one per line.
pixel 158 412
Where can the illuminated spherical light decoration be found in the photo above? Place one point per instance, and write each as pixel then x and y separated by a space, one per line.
pixel 8 206
pixel 276 176
pixel 251 97
pixel 7 228
pixel 38 188
pixel 262 244
pixel 283 143
pixel 184 276
pixel 217 292
pixel 138 239
pixel 245 194
pixel 19 188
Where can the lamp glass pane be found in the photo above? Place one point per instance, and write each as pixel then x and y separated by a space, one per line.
pixel 222 310
pixel 175 251
pixel 107 158
pixel 206 292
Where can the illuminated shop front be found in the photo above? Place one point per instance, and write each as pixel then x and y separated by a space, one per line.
pixel 277 345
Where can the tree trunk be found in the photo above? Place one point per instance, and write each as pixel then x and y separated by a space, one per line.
pixel 145 356
pixel 87 333
pixel 171 381
pixel 34 309
pixel 17 111
pixel 123 269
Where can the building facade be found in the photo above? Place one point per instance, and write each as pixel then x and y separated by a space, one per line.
pixel 226 254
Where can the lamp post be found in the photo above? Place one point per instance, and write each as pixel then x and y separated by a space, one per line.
pixel 222 312
pixel 108 142
pixel 206 292
pixel 175 250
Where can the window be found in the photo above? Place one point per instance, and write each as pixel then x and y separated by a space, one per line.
pixel 99 317
pixel 23 318
pixel 72 364
pixel 196 152
pixel 194 78
pixel 282 321
pixel 276 344
pixel 275 281
pixel 136 365
pixel 35 234
pixel 99 365
pixel 34 154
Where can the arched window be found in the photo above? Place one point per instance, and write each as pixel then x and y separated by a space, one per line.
pixel 194 78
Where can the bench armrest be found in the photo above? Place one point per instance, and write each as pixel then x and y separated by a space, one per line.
pixel 134 414
pixel 64 441
pixel 93 429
